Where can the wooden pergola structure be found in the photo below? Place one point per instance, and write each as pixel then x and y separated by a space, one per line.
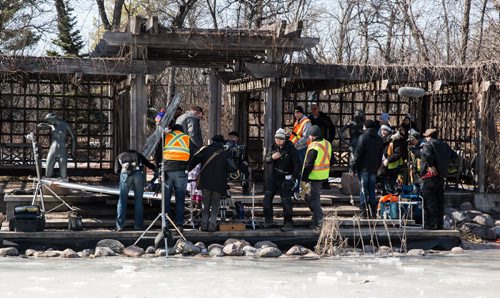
pixel 250 64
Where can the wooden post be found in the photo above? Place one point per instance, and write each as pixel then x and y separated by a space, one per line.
pixel 481 93
pixel 240 115
pixel 214 113
pixel 138 111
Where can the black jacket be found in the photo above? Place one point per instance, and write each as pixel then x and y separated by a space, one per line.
pixel 191 127
pixel 134 159
pixel 436 153
pixel 287 164
pixel 213 175
pixel 325 123
pixel 309 161
pixel 368 153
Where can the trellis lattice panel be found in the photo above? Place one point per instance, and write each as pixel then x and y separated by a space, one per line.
pixel 86 106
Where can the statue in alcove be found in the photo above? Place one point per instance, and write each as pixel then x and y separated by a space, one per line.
pixel 57 152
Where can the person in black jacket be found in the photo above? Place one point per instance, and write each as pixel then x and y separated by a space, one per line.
pixel 216 163
pixel 366 162
pixel 323 121
pixel 284 160
pixel 436 156
pixel 130 166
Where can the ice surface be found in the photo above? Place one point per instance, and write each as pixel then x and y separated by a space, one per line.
pixel 473 274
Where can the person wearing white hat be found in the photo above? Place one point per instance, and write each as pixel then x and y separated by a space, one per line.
pixel 284 160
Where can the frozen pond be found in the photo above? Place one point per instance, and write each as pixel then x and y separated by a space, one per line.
pixel 473 274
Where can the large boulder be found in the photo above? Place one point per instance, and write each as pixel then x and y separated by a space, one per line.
pixel 250 251
pixel 241 242
pixel 269 252
pixel 9 252
pixel 203 248
pixel 449 210
pixel 416 252
pixel 448 222
pixel 480 231
pixel 484 220
pixel 186 248
pixel 215 250
pixel 368 249
pixel 68 253
pixel 49 254
pixel 30 252
pixel 233 249
pixel 150 250
pixel 384 250
pixel 460 217
pixel 297 250
pixel 86 253
pixel 264 244
pixel 104 251
pixel 116 246
pixel 133 251
pixel 457 250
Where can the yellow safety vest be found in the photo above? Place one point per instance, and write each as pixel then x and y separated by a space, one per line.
pixel 176 146
pixel 298 130
pixel 393 165
pixel 321 169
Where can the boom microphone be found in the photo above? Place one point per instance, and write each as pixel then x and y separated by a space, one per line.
pixel 411 91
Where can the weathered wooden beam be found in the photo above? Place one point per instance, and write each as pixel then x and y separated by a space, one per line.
pixel 295 30
pixel 361 73
pixel 214 113
pixel 87 67
pixel 212 42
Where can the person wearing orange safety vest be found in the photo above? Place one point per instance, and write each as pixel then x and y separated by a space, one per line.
pixel 316 169
pixel 299 137
pixel 391 159
pixel 177 151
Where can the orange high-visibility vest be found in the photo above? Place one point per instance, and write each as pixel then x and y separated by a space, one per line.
pixel 176 146
pixel 298 129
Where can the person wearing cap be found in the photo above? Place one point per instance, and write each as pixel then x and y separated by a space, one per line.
pixel 299 134
pixel 322 120
pixel 415 147
pixel 216 164
pixel 284 161
pixel 316 169
pixel 177 151
pixel 366 162
pixel 436 157
pixel 392 159
pixel 355 128
pixel 383 119
pixel 240 161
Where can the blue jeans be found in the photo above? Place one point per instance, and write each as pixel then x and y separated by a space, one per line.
pixel 367 192
pixel 176 183
pixel 136 182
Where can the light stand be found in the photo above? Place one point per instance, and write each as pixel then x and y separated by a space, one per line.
pixel 165 232
pixel 40 185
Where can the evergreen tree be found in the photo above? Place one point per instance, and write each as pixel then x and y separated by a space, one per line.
pixel 16 32
pixel 69 39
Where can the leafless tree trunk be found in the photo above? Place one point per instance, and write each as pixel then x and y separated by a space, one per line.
pixel 344 29
pixel 390 36
pixel 447 25
pixel 102 14
pixel 481 28
pixel 117 14
pixel 405 8
pixel 465 31
pixel 182 12
pixel 212 9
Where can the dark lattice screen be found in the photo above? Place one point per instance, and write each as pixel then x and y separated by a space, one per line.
pixel 340 105
pixel 87 107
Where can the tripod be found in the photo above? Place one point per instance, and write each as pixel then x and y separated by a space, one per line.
pixel 165 232
pixel 40 183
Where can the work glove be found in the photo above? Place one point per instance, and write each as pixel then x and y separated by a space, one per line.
pixel 305 189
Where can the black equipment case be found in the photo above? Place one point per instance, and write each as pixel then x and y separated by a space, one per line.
pixel 27 219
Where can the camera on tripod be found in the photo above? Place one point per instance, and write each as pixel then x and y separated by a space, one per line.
pixel 237 151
